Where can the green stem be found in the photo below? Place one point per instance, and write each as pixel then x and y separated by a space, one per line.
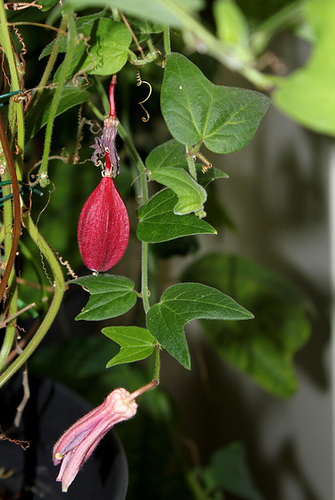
pixel 11 238
pixel 8 342
pixel 102 94
pixel 15 109
pixel 144 190
pixel 59 287
pixel 12 231
pixel 52 59
pixel 191 164
pixel 151 46
pixel 43 172
pixel 5 41
pixel 209 43
pixel 157 363
pixel 140 165
pixel 167 42
pixel 96 111
pixel 292 13
pixel 145 196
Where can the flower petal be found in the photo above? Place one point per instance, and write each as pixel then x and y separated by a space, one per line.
pixel 103 229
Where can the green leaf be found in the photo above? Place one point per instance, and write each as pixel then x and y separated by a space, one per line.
pixel 229 469
pixel 262 348
pixel 313 84
pixel 103 50
pixel 77 366
pixel 191 195
pixel 38 116
pixel 196 110
pixel 167 165
pixel 136 343
pixel 144 29
pixel 84 26
pixel 232 29
pixel 109 48
pixel 158 223
pixel 182 303
pixel 173 154
pixel 110 296
pixel 232 26
pixel 47 4
pixel 158 11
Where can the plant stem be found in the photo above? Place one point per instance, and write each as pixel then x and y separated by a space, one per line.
pixel 43 171
pixel 5 41
pixel 12 231
pixel 16 231
pixel 52 58
pixel 59 287
pixel 287 16
pixel 158 363
pixel 140 165
pixel 39 25
pixel 206 42
pixel 191 164
pixel 143 389
pixel 167 42
pixel 144 192
pixel 102 94
pixel 96 111
pixel 15 109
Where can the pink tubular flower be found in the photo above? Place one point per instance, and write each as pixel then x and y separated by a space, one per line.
pixel 79 441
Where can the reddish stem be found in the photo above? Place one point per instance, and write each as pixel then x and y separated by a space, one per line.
pixel 17 209
pixel 143 389
pixel 111 96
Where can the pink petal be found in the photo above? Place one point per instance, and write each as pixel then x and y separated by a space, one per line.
pixel 103 229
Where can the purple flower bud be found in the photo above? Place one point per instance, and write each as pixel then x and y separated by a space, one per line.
pixel 106 143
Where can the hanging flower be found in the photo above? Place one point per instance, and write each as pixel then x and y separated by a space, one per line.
pixel 79 441
pixel 103 228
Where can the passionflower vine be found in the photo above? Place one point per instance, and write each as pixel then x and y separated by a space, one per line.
pixel 103 228
pixel 79 441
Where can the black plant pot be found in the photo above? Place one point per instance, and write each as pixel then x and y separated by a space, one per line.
pixel 30 474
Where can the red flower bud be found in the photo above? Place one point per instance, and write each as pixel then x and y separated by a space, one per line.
pixel 103 228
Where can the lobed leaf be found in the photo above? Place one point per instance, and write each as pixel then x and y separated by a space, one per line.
pixel 196 110
pixel 182 303
pixel 230 471
pixel 159 223
pixel 262 348
pixel 136 343
pixel 110 296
